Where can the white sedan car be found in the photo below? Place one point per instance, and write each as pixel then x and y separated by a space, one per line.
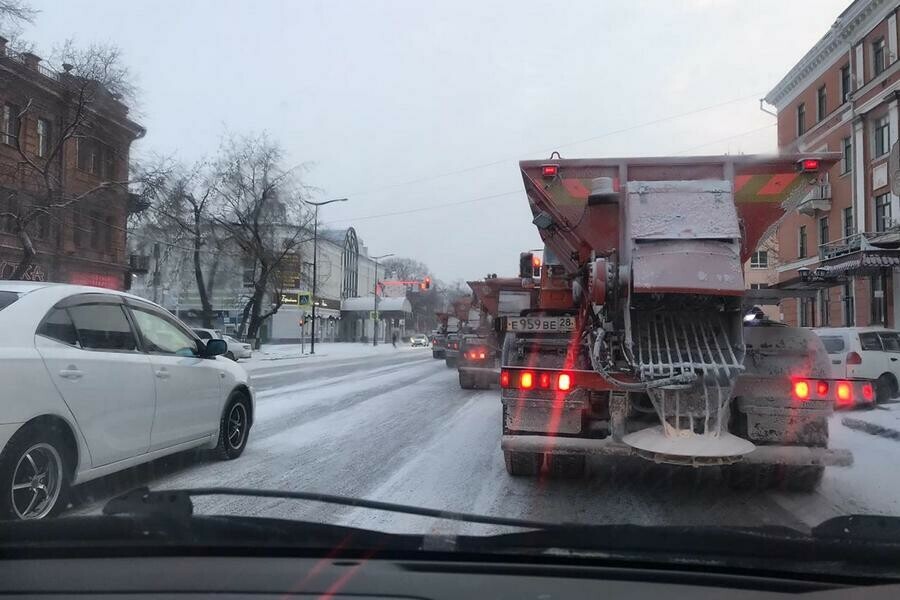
pixel 236 348
pixel 96 381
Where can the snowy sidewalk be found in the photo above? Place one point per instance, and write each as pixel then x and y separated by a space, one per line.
pixel 272 354
pixel 883 420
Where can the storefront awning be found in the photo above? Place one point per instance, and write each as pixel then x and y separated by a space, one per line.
pixel 367 305
pixel 862 262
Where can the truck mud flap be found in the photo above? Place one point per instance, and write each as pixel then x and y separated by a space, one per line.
pixel 766 455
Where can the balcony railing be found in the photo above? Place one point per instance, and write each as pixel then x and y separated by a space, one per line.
pixel 19 57
pixel 818 199
pixel 860 241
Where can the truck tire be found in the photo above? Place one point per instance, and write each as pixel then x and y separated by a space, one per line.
pixel 523 464
pixel 466 381
pixel 804 478
pixel 885 388
pixel 437 354
pixel 566 466
pixel 450 362
pixel 749 477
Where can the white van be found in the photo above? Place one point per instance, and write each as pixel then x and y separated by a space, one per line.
pixel 865 352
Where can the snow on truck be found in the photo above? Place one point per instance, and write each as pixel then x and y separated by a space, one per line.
pixel 637 344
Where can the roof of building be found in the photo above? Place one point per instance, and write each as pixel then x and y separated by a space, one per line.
pixel 851 25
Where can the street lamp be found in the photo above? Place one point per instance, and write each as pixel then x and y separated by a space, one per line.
pixel 312 342
pixel 375 320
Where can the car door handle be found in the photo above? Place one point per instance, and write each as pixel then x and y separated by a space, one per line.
pixel 71 373
pixel 893 359
pixel 163 374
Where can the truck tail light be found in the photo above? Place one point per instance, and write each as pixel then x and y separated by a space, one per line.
pixel 564 382
pixel 544 380
pixel 853 358
pixel 844 392
pixel 801 390
pixel 481 354
pixel 809 165
pixel 868 392
pixel 526 380
pixel 504 379
pixel 549 171
pixel 822 388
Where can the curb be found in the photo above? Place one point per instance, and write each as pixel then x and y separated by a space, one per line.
pixel 871 428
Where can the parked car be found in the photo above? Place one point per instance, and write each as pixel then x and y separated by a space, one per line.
pixel 236 348
pixel 419 340
pixel 96 381
pixel 867 353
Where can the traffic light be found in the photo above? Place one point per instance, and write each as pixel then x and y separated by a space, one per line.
pixel 536 265
pixel 427 283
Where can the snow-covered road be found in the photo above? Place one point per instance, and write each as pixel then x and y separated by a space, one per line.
pixel 394 425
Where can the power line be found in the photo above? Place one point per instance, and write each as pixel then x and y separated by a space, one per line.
pixel 426 208
pixel 545 151
pixel 725 139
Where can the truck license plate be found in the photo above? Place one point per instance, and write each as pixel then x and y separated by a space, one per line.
pixel 540 324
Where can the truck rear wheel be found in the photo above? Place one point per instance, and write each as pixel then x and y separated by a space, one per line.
pixel 566 466
pixel 749 477
pixel 804 478
pixel 450 362
pixel 466 381
pixel 523 464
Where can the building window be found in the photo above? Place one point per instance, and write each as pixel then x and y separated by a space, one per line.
pixel 759 260
pixel 823 231
pixel 249 273
pixel 846 155
pixel 825 304
pixel 845 83
pixel 847 300
pixel 759 286
pixel 801 242
pixel 96 158
pixel 882 212
pixel 848 222
pixel 96 230
pixel 878 57
pixel 350 265
pixel 8 222
pixel 882 135
pixel 109 234
pixel 801 119
pixel 807 306
pixel 878 312
pixel 43 138
pixel 821 103
pixel 10 124
pixel 77 229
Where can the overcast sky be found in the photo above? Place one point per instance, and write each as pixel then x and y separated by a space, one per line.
pixel 383 99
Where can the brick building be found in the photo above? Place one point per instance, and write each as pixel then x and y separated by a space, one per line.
pixel 75 241
pixel 843 97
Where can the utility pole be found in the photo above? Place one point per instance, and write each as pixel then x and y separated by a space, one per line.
pixel 375 320
pixel 156 276
pixel 312 341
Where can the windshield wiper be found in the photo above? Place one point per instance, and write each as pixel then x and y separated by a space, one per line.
pixel 175 503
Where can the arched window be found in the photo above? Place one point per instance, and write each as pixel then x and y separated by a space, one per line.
pixel 350 265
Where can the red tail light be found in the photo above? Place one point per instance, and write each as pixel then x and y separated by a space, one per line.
pixel 526 380
pixel 504 379
pixel 544 380
pixel 564 382
pixel 844 392
pixel 801 390
pixel 809 165
pixel 549 170
pixel 853 358
pixel 822 388
pixel 481 355
pixel 868 392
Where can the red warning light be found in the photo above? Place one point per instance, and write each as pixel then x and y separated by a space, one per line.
pixel 564 382
pixel 809 165
pixel 548 171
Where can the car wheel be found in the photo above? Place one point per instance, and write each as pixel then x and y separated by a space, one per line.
pixel 230 355
pixel 885 388
pixel 234 428
pixel 33 474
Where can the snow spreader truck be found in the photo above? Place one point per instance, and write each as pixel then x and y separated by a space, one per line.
pixel 638 344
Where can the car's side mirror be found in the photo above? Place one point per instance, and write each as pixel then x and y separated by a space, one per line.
pixel 215 348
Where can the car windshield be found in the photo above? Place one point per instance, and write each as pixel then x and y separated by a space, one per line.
pixel 652 246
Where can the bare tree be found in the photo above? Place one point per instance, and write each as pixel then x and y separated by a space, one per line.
pixel 15 12
pixel 405 269
pixel 186 204
pixel 261 210
pixel 34 195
